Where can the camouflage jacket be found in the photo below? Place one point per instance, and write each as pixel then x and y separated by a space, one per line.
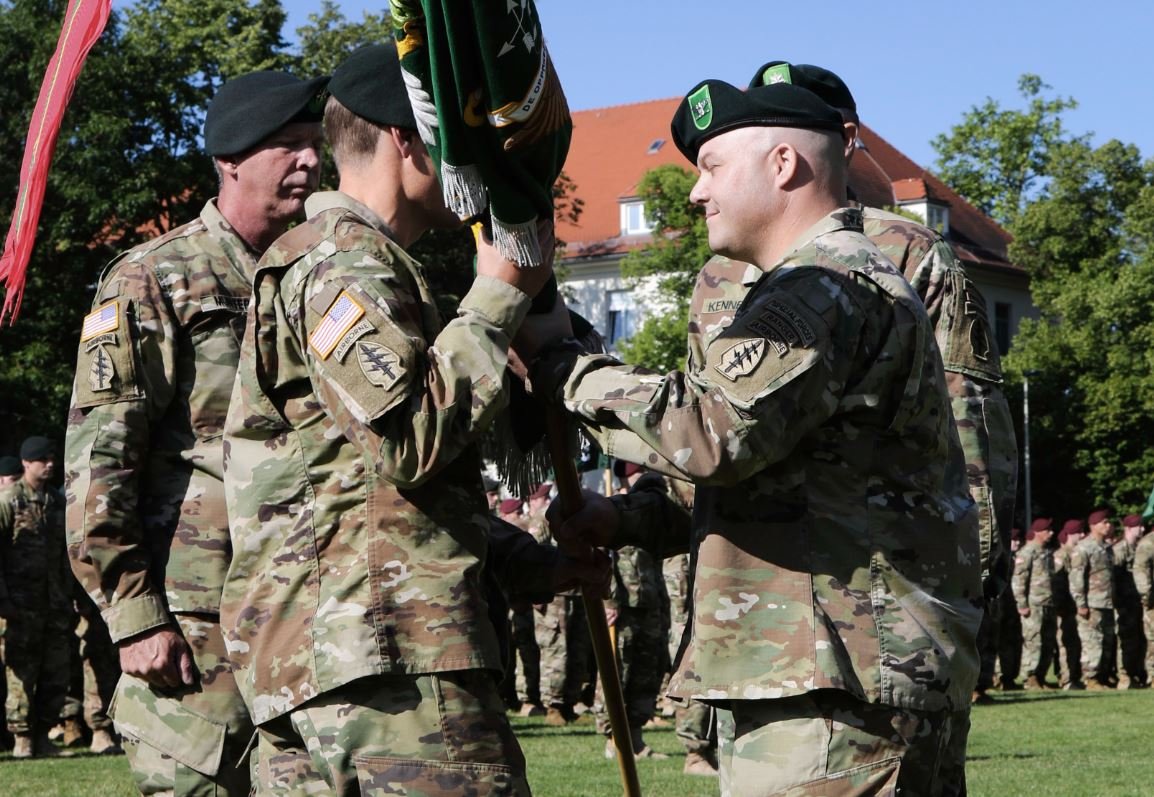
pixel 1092 575
pixel 359 520
pixel 1143 570
pixel 1034 576
pixel 834 539
pixel 34 572
pixel 1125 590
pixel 957 311
pixel 147 526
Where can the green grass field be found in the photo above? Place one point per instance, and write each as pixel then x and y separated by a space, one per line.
pixel 1057 744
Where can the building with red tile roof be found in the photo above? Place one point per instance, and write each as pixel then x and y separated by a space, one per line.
pixel 613 147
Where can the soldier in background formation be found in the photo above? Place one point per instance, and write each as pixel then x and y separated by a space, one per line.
pixel 1092 588
pixel 1128 607
pixel 1033 592
pixel 35 600
pixel 148 525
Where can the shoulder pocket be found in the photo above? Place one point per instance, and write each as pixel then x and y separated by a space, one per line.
pixel 105 363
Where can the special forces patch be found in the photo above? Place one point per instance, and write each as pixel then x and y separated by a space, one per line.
pixel 740 359
pixel 379 364
pixel 101 371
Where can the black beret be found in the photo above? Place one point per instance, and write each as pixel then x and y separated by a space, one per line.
pixel 821 82
pixel 369 83
pixel 714 107
pixel 252 107
pixel 37 448
pixel 10 466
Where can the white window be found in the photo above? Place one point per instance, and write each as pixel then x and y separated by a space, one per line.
pixel 938 217
pixel 633 218
pixel 622 321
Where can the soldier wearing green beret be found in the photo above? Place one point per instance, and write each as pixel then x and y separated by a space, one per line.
pixel 355 608
pixel 10 470
pixel 148 527
pixel 837 580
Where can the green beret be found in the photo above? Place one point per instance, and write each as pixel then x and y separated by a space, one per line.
pixel 369 83
pixel 10 466
pixel 821 82
pixel 714 107
pixel 252 107
pixel 37 448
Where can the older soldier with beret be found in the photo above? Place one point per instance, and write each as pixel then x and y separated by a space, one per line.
pixel 354 605
pixel 35 600
pixel 837 584
pixel 147 521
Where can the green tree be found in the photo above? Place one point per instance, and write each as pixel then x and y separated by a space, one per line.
pixel 329 37
pixel 664 271
pixel 998 158
pixel 1088 243
pixel 128 164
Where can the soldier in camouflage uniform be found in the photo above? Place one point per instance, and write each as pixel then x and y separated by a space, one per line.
pixel 35 600
pixel 1143 572
pixel 1128 607
pixel 522 682
pixel 837 565
pixel 1069 644
pixel 148 527
pixel 354 605
pixel 1092 587
pixel 1033 590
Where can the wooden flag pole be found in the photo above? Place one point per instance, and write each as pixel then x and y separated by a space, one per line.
pixel 569 491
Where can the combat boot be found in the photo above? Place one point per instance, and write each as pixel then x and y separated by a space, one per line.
pixel 1094 685
pixel 23 746
pixel 698 764
pixel 73 733
pixel 103 743
pixel 1033 683
pixel 555 718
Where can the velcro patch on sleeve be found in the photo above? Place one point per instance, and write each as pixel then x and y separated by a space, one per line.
pixel 100 321
pixel 337 320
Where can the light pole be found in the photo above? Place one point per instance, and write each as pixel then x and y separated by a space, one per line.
pixel 1026 442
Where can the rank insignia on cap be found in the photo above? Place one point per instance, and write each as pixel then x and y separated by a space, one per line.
pixel 379 364
pixel 740 360
pixel 776 74
pixel 701 107
pixel 105 318
pixel 101 371
pixel 337 320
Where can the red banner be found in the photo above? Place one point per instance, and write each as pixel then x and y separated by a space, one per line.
pixel 83 24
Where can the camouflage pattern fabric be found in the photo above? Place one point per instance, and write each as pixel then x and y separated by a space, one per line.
pixel 359 523
pixel 1069 643
pixel 816 420
pixel 36 582
pixel 1128 614
pixel 1143 572
pixel 1092 587
pixel 192 740
pixel 528 655
pixel 1033 589
pixel 567 666
pixel 95 672
pixel 147 522
pixel 768 746
pixel 412 735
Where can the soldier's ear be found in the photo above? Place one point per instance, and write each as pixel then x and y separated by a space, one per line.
pixel 849 133
pixel 407 142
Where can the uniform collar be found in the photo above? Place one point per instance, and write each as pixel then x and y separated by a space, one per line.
pixel 338 200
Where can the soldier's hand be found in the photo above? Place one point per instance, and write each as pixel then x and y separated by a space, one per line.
pixel 1024 612
pixel 588 575
pixel 1083 612
pixel 159 656
pixel 492 263
pixel 593 526
pixel 537 331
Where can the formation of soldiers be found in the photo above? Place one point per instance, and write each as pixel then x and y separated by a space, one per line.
pixel 1080 614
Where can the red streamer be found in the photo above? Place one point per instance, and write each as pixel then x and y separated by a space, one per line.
pixel 83 24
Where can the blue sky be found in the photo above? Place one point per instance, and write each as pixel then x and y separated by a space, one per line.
pixel 914 67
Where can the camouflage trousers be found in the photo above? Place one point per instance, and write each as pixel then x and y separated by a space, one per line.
pixel 697 727
pixel 415 735
pixel 1039 641
pixel 36 658
pixel 1131 640
pixel 1097 634
pixel 642 661
pixel 1069 647
pixel 1148 624
pixel 95 672
pixel 527 656
pixel 192 741
pixel 567 668
pixel 828 743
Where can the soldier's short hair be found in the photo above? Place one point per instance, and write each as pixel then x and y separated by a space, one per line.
pixel 353 138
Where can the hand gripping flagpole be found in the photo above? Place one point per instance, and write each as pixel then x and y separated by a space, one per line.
pixel 569 491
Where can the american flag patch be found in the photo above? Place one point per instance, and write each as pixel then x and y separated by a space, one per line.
pixel 102 319
pixel 338 320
